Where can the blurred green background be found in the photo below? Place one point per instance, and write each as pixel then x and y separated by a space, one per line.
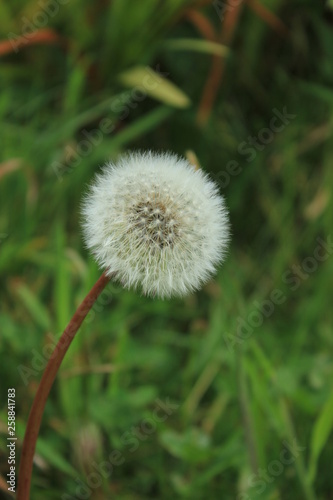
pixel 227 394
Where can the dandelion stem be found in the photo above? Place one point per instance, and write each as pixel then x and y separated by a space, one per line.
pixel 38 405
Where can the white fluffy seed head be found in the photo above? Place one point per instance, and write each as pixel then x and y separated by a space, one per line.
pixel 156 223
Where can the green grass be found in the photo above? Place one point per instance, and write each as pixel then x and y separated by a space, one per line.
pixel 238 397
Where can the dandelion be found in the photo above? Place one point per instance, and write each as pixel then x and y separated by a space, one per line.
pixel 152 221
pixel 156 223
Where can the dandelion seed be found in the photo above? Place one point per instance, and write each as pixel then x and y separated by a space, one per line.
pixel 156 223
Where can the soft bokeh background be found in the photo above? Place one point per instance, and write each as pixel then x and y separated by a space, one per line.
pixel 198 398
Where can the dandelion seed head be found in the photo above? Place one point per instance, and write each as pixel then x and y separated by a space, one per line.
pixel 156 223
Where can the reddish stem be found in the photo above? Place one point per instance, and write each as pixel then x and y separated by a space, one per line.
pixel 38 405
pixel 212 85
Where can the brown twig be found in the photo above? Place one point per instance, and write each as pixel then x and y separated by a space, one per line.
pixel 268 17
pixel 38 405
pixel 39 37
pixel 214 78
pixel 201 23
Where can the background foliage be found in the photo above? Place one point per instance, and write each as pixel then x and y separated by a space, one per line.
pixel 242 395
